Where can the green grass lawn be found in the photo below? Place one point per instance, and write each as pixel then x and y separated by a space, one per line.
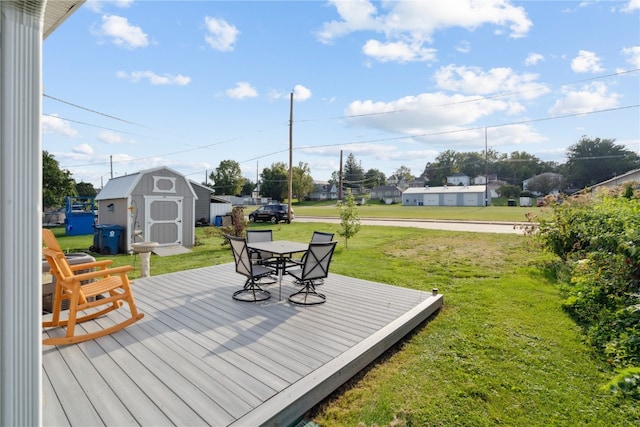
pixel 468 213
pixel 500 352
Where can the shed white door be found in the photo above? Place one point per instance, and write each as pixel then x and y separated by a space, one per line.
pixel 163 220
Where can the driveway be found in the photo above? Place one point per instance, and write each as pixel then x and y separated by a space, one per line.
pixel 470 226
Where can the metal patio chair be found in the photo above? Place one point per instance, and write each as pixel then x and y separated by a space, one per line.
pixel 251 291
pixel 262 257
pixel 317 237
pixel 315 266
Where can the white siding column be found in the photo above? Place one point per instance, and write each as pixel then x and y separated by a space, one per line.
pixel 21 25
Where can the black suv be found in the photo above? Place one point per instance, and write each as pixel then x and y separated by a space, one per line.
pixel 274 213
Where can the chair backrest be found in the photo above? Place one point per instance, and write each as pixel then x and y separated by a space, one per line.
pixel 241 255
pixel 317 260
pixel 254 236
pixel 321 236
pixel 58 264
pixel 50 240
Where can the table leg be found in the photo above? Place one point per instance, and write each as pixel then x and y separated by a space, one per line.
pixel 281 263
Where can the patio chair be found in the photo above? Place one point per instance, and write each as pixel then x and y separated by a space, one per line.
pixel 315 266
pixel 108 288
pixel 262 257
pixel 318 236
pixel 251 291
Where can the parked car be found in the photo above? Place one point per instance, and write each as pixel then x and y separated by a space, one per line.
pixel 273 213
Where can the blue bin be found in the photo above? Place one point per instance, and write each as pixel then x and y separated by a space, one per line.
pixel 218 222
pixel 106 239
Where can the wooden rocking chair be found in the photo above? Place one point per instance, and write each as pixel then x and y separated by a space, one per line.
pixel 86 291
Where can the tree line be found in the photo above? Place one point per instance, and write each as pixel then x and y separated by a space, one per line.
pixel 589 161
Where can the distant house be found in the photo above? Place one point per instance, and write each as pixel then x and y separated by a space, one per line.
pixel 482 180
pixel 457 195
pixel 397 181
pixel 459 178
pixel 418 182
pixel 387 193
pixel 323 190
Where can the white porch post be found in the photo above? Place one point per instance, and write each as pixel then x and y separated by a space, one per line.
pixel 21 24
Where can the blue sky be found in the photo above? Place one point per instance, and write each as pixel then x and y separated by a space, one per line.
pixel 133 85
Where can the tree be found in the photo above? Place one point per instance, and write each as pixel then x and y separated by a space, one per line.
pixel 442 167
pixel 349 218
pixel 86 189
pixel 275 181
pixel 545 183
pixel 404 172
pixel 302 182
pixel 56 183
pixel 248 187
pixel 227 178
pixel 509 191
pixel 375 178
pixel 591 161
pixel 353 173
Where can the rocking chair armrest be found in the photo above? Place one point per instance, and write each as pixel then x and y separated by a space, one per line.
pixel 93 264
pixel 101 273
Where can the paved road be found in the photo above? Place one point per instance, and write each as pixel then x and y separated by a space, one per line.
pixel 471 226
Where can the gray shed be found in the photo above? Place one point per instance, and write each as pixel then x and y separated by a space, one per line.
pixel 157 205
pixel 209 206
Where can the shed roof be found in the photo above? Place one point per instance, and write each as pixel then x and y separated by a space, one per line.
pixel 446 189
pixel 120 187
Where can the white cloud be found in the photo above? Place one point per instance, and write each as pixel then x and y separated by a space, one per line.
pixel 474 80
pixel 423 114
pixel 221 35
pixel 97 5
pixel 54 124
pixel 109 137
pixel 408 25
pixel 84 149
pixel 398 52
pixel 154 79
pixel 632 54
pixel 591 97
pixel 123 33
pixel 586 62
pixel 631 6
pixel 241 91
pixel 301 93
pixel 533 59
pixel 464 47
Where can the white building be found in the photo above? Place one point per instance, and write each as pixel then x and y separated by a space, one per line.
pixel 458 195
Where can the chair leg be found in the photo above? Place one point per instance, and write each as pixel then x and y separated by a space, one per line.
pixel 251 292
pixel 307 295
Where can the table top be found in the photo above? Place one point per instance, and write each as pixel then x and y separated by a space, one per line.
pixel 279 247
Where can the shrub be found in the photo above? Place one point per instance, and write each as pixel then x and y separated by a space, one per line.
pixel 598 237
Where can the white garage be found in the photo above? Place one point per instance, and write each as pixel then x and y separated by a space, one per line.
pixel 457 195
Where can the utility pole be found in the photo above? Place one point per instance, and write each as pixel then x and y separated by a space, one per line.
pixel 111 163
pixel 290 157
pixel 486 173
pixel 340 178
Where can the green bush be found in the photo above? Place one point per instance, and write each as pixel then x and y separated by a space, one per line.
pixel 598 236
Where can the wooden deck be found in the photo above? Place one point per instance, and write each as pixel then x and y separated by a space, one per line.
pixel 200 358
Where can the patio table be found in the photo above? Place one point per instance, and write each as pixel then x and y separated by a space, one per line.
pixel 281 250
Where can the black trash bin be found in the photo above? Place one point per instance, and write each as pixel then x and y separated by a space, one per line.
pixel 106 239
pixel 511 202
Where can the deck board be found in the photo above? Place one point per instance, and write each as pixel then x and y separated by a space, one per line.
pixel 198 357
